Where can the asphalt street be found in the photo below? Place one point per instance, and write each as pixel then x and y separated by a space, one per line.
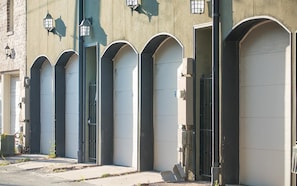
pixel 33 170
pixel 14 176
pixel 11 175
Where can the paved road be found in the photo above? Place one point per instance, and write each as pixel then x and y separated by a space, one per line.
pixel 11 175
pixel 31 170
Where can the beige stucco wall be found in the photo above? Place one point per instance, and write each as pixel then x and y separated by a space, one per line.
pixel 283 12
pixel 173 17
pixel 39 41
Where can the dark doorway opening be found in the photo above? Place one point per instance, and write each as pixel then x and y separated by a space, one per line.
pixel 92 122
pixel 205 127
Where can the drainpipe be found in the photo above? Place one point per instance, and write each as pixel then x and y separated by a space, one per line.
pixel 215 93
pixel 81 103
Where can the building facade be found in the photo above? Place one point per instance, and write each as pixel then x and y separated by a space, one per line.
pixel 258 92
pixel 143 59
pixel 13 80
pixel 137 91
pixel 52 52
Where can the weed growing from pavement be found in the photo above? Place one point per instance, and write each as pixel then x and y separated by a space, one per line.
pixel 82 179
pixel 216 183
pixel 4 163
pixel 52 153
pixel 59 170
pixel 105 175
pixel 22 160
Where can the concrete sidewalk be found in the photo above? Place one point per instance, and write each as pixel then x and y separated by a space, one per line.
pixel 72 172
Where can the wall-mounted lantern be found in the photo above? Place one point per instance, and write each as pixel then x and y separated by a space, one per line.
pixel 85 27
pixel 133 4
pixel 48 22
pixel 8 52
pixel 197 6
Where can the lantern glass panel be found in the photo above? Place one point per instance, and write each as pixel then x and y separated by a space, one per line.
pixel 85 27
pixel 197 6
pixel 132 2
pixel 84 30
pixel 48 22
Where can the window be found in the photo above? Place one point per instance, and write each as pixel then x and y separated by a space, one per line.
pixel 9 15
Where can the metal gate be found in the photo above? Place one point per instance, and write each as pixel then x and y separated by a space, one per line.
pixel 205 127
pixel 92 122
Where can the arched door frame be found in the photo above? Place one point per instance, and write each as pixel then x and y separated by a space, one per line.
pixel 60 85
pixel 35 104
pixel 146 131
pixel 230 96
pixel 106 104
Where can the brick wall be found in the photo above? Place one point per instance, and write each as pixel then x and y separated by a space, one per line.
pixel 16 66
pixel 15 40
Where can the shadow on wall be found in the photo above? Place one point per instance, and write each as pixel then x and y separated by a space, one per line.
pixel 102 35
pixel 149 7
pixel 92 9
pixel 226 14
pixel 60 28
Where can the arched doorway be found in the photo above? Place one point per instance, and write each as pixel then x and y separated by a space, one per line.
pixel 167 60
pixel 47 125
pixel 67 104
pixel 264 106
pixel 119 105
pixel 125 107
pixel 42 107
pixel 256 89
pixel 71 107
pixel 160 60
